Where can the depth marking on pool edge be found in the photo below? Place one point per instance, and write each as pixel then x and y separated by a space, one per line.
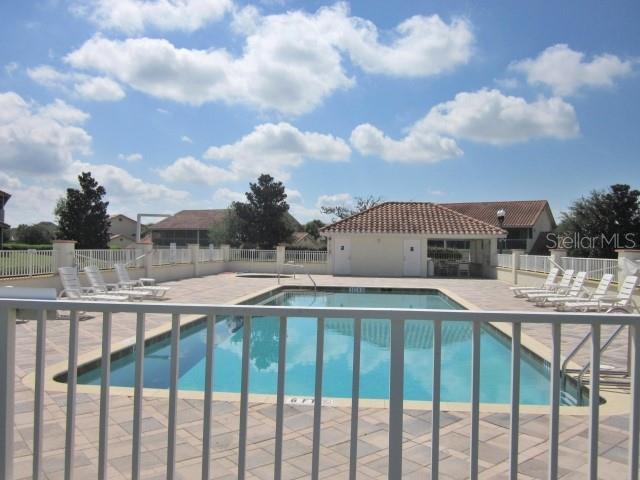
pixel 327 402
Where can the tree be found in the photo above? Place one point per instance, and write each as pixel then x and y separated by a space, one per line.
pixel 595 226
pixel 227 231
pixel 338 212
pixel 32 234
pixel 313 228
pixel 82 214
pixel 262 218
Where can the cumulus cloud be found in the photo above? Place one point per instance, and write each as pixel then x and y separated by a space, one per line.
pixel 344 199
pixel 7 182
pixel 186 139
pixel 290 62
pixel 135 16
pixel 566 71
pixel 11 67
pixel 131 157
pixel 101 89
pixel 23 208
pixel 223 197
pixel 192 170
pixel 418 146
pixel 43 139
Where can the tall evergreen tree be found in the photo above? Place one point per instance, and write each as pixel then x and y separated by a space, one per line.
pixel 82 214
pixel 262 217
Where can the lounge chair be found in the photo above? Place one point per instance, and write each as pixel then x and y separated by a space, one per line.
pixel 100 286
pixel 576 290
pixel 125 281
pixel 547 285
pixel 597 294
pixel 624 299
pixel 555 289
pixel 73 290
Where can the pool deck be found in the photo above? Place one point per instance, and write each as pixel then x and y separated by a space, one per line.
pixel 373 426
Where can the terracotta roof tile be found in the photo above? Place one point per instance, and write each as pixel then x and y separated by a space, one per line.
pixel 191 220
pixel 413 217
pixel 520 213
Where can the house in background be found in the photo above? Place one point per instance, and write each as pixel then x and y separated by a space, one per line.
pixel 527 222
pixel 397 239
pixel 122 232
pixel 4 198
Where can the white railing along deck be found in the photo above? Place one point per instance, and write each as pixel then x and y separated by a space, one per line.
pixel 105 259
pixel 535 263
pixel 26 263
pixel 595 267
pixel 167 256
pixel 505 260
pixel 397 318
pixel 305 256
pixel 251 255
pixel 210 255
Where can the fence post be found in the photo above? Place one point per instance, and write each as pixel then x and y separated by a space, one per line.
pixel 147 260
pixel 195 257
pixel 625 267
pixel 556 254
pixel 280 255
pixel 515 264
pixel 226 252
pixel 64 254
pixel 7 382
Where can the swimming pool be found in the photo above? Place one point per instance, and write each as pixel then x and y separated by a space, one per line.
pixel 338 350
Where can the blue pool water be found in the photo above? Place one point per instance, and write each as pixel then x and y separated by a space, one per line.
pixel 301 337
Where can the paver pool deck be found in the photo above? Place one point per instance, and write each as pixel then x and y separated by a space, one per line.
pixel 373 425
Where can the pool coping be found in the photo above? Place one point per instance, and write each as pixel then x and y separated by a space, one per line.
pixel 615 402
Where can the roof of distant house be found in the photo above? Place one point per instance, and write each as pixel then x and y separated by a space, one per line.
pixel 123 216
pixel 191 220
pixel 519 213
pixel 413 218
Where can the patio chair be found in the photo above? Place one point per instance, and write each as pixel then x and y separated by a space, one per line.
pixel 576 290
pixel 597 294
pixel 624 299
pixel 124 281
pixel 100 286
pixel 73 290
pixel 556 288
pixel 548 283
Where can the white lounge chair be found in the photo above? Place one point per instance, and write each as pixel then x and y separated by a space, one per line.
pixel 547 285
pixel 555 289
pixel 576 290
pixel 73 290
pixel 597 294
pixel 624 299
pixel 100 286
pixel 125 281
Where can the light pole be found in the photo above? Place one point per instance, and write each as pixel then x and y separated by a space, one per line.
pixel 501 214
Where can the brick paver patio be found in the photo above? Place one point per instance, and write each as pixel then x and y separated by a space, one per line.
pixel 224 288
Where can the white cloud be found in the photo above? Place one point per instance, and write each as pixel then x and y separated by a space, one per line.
pixel 290 62
pixel 418 146
pixel 489 116
pixel 135 16
pixel 32 204
pixel 131 157
pixel 191 170
pixel 7 182
pixel 566 71
pixel 162 111
pixel 11 67
pixel 276 149
pixel 223 197
pixel 101 89
pixel 37 139
pixel 343 199
pixel 186 139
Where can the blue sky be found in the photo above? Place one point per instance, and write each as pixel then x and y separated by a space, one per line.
pixel 178 104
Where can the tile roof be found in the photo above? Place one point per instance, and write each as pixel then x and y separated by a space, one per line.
pixel 413 217
pixel 191 220
pixel 520 213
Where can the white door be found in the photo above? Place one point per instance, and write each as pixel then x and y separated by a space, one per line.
pixel 411 265
pixel 342 262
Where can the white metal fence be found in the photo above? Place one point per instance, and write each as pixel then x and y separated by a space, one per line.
pixel 595 267
pixel 535 263
pixel 505 260
pixel 26 263
pixel 395 407
pixel 168 256
pixel 251 255
pixel 210 255
pixel 305 256
pixel 103 259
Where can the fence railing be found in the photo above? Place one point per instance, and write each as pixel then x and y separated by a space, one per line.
pixel 251 255
pixel 395 407
pixel 505 260
pixel 210 255
pixel 305 256
pixel 168 256
pixel 595 267
pixel 103 259
pixel 26 263
pixel 535 263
